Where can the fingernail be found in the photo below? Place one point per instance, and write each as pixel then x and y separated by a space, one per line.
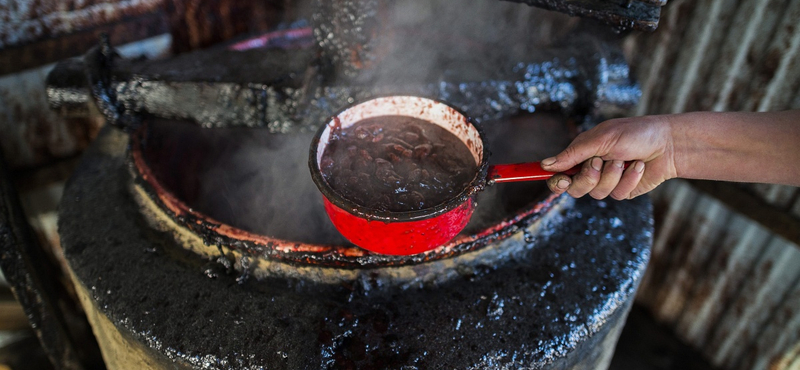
pixel 562 184
pixel 639 166
pixel 548 161
pixel 597 163
pixel 617 163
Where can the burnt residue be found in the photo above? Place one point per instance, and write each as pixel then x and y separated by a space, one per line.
pixel 290 88
pixel 640 15
pixel 346 32
pixel 99 66
pixel 553 305
pixel 67 88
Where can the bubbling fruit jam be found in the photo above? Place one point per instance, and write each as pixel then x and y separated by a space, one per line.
pixel 396 163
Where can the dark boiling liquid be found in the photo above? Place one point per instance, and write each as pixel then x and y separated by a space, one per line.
pixel 396 163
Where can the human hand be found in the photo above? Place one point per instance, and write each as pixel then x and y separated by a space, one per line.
pixel 647 141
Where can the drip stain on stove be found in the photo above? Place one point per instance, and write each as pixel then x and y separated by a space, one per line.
pixel 198 240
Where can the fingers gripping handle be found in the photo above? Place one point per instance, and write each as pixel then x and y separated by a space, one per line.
pixel 530 171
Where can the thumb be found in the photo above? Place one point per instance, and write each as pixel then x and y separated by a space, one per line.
pixel 574 154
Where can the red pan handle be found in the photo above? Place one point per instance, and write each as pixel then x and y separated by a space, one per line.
pixel 530 171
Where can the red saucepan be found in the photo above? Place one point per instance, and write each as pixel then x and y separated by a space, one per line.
pixel 404 233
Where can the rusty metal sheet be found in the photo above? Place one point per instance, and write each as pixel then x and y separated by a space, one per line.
pixel 746 316
pixel 735 255
pixel 695 92
pixel 720 55
pixel 25 21
pixel 671 201
pixel 657 74
pixel 718 278
pixel 769 65
pixel 690 256
pixel 742 54
pixel 654 53
pixel 752 26
pixel 50 50
pixel 781 66
pixel 697 52
pixel 778 344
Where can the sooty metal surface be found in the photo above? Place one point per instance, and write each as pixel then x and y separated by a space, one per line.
pixel 558 304
pixel 624 14
pixel 285 86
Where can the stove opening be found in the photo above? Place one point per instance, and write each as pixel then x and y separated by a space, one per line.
pixel 259 181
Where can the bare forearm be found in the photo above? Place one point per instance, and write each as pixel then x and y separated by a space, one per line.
pixel 746 147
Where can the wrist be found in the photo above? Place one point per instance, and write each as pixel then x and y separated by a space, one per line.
pixel 695 141
pixel 676 144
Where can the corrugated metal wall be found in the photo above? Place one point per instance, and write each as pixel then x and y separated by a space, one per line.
pixel 727 284
pixel 724 283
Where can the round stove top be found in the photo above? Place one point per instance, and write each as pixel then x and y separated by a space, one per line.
pixel 553 299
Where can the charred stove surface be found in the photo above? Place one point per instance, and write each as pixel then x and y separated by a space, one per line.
pixel 547 287
pixel 556 304
pixel 640 15
pixel 354 25
pixel 288 88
